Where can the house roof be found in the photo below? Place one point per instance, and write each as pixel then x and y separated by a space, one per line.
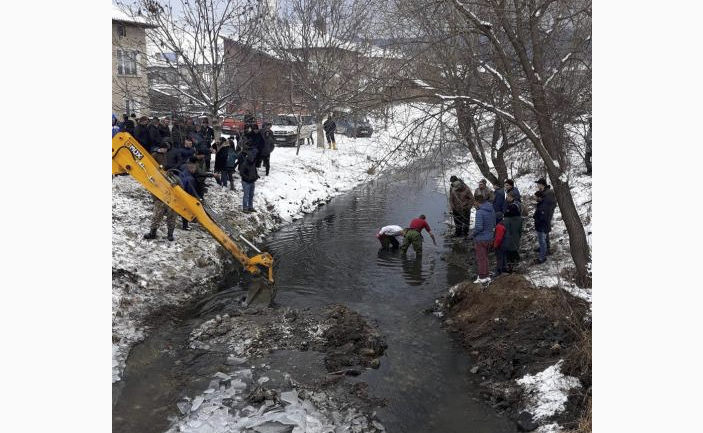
pixel 119 15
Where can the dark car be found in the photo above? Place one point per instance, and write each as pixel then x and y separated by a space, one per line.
pixel 357 127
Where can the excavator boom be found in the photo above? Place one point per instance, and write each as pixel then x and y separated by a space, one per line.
pixel 128 156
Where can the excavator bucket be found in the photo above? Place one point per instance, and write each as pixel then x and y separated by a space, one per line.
pixel 261 292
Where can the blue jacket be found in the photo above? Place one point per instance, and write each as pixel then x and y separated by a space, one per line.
pixel 115 126
pixel 485 222
pixel 499 200
pixel 188 181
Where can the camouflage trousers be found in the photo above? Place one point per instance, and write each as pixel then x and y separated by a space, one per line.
pixel 161 209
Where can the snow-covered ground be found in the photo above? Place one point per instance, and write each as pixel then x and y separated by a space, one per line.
pixel 149 275
pixel 547 391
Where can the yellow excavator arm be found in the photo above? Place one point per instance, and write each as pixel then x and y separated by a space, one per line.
pixel 128 156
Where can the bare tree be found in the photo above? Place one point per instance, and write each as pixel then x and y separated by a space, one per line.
pixel 539 53
pixel 187 63
pixel 329 59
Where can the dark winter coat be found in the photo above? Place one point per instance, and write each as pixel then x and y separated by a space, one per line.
pixel 499 200
pixel 247 166
pixel 269 142
pixel 460 197
pixel 551 201
pixel 513 231
pixel 188 182
pixel 197 137
pixel 177 136
pixel 541 217
pixel 512 209
pixel 515 191
pixel 208 134
pixel 184 154
pixel 250 141
pixel 141 133
pixel 486 193
pixel 164 131
pixel 329 126
pixel 128 126
pixel 221 158
pixel 154 136
pixel 485 222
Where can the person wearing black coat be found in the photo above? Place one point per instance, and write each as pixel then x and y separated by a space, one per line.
pixel 498 198
pixel 154 134
pixel 542 225
pixel 267 147
pixel 249 175
pixel 127 125
pixel 226 162
pixel 141 133
pixel 330 127
pixel 550 201
pixel 164 129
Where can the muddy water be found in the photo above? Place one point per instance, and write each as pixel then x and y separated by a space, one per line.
pixel 333 257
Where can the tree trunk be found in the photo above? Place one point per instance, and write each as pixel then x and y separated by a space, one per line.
pixel 578 244
pixel 500 165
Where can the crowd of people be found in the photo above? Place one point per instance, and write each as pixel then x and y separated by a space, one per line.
pixel 185 147
pixel 498 225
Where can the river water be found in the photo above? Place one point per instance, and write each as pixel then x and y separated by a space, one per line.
pixel 332 257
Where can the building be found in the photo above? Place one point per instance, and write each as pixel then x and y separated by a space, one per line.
pixel 129 76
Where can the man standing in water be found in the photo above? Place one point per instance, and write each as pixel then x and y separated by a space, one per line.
pixel 414 237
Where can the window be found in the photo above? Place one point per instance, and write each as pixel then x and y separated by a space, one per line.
pixel 126 62
pixel 121 31
pixel 130 106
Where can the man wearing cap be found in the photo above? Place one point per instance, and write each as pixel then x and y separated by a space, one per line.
pixel 389 237
pixel 414 237
pixel 484 191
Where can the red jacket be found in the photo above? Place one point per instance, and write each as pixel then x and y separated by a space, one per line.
pixel 500 233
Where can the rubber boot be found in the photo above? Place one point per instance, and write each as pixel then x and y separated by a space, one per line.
pixel 169 235
pixel 150 235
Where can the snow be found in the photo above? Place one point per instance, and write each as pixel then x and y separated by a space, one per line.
pixel 118 14
pixel 148 275
pixel 547 391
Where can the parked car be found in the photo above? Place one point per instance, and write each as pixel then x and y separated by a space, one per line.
pixel 357 128
pixel 285 130
pixel 235 123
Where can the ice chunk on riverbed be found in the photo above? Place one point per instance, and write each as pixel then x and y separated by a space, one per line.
pixel 196 403
pixel 290 397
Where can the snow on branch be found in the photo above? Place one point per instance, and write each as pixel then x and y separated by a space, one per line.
pixel 556 70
